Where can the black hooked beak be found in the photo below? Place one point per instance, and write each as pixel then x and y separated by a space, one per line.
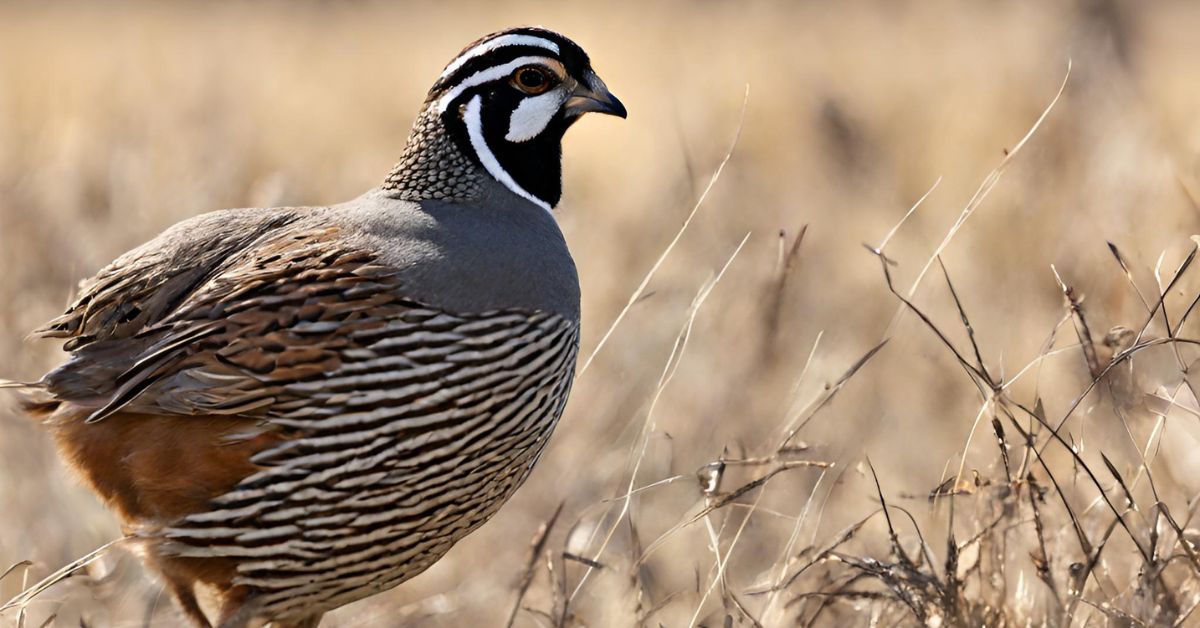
pixel 592 94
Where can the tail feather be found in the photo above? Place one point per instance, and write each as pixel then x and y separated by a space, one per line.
pixel 34 399
pixel 8 383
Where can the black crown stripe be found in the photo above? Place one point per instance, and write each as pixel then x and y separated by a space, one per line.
pixel 497 57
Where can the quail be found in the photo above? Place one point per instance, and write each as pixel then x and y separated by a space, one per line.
pixel 290 409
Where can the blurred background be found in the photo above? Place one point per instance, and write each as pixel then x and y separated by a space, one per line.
pixel 117 120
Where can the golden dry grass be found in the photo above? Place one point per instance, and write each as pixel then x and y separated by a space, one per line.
pixel 117 121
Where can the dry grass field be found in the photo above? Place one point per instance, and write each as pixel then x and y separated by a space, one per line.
pixel 743 354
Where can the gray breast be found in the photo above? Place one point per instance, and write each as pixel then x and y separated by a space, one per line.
pixel 499 252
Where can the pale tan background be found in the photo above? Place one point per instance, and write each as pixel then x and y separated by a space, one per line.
pixel 117 120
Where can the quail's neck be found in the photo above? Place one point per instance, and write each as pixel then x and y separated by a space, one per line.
pixel 432 166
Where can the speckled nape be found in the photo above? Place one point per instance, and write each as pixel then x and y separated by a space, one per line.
pixel 432 166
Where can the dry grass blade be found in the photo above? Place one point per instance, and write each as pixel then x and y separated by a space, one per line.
pixel 980 367
pixel 809 412
pixel 781 563
pixel 1179 536
pixel 726 499
pixel 1117 361
pixel 1116 253
pixel 536 546
pixel 637 293
pixel 14 567
pixel 887 517
pixel 1002 444
pixel 1186 615
pixel 668 374
pixel 989 183
pixel 1120 481
pixel 844 537
pixel 907 303
pixel 1162 295
pixel 28 595
pixel 878 250
pixel 1041 560
pixel 1084 543
pixel 1082 329
pixel 1187 313
pixel 785 265
pixel 722 563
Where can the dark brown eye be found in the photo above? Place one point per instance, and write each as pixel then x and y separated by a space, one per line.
pixel 532 79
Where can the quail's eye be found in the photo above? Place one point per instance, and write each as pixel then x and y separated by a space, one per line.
pixel 532 79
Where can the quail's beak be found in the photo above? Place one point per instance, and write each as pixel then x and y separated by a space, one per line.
pixel 591 94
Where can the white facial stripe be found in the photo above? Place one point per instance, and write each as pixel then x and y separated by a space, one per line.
pixel 533 115
pixel 484 76
pixel 474 121
pixel 499 42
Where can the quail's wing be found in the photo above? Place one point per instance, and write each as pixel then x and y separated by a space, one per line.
pixel 146 284
pixel 303 328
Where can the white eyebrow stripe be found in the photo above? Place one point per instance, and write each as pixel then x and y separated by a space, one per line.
pixel 499 42
pixel 474 121
pixel 483 76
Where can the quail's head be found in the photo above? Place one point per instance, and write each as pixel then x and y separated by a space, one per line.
pixel 507 99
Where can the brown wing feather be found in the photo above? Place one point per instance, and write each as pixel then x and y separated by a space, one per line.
pixel 279 314
pixel 142 286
